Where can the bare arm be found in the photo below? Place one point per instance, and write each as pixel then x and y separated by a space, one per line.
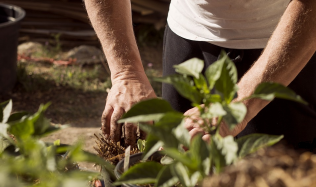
pixel 113 24
pixel 288 51
pixel 290 48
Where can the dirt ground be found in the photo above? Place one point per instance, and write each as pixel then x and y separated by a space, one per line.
pixel 72 103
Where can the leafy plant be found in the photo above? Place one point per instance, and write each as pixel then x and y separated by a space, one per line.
pixel 213 95
pixel 141 145
pixel 25 160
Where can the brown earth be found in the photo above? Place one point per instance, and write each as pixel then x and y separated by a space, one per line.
pixel 75 106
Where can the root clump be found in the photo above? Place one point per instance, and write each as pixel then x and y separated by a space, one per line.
pixel 109 150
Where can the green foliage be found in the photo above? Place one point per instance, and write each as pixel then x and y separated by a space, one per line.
pixel 144 111
pixel 25 160
pixel 251 143
pixel 188 161
pixel 142 173
pixel 269 91
pixel 141 144
pixel 192 67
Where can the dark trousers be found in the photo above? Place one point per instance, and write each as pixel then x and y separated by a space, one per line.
pixel 297 122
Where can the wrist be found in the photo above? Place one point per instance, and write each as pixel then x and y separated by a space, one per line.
pixel 129 75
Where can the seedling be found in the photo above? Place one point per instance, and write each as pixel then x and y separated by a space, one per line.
pixel 213 95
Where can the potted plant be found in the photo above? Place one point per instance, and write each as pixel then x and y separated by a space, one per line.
pixel 187 161
pixel 10 19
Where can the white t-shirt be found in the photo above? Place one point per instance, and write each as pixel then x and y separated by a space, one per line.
pixel 238 24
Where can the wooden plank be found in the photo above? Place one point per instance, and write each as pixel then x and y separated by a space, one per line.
pixel 82 16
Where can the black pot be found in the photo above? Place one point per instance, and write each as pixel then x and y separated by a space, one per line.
pixel 10 18
pixel 134 159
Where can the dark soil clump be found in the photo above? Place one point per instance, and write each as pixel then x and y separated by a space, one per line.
pixel 276 166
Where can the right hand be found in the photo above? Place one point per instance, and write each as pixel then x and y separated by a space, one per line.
pixel 126 91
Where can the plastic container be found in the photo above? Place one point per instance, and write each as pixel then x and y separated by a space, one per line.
pixel 10 19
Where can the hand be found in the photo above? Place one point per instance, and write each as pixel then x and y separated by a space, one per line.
pixel 125 92
pixel 194 124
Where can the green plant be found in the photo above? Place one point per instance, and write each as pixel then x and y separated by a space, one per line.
pixel 25 160
pixel 141 145
pixel 216 92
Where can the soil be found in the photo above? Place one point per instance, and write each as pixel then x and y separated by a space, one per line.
pixel 73 106
pixel 277 166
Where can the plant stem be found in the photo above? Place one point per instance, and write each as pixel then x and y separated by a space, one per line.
pixel 218 124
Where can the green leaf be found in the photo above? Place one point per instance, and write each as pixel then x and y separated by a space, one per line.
pixel 182 173
pixel 158 138
pixel 76 154
pixel 226 84
pixel 165 177
pixel 224 151
pixel 57 142
pixel 4 143
pixel 236 112
pixel 183 158
pixel 182 134
pixel 184 87
pixel 214 110
pixel 195 177
pixel 166 160
pixel 168 139
pixel 201 84
pixel 269 91
pixel 213 72
pixel 4 130
pixel 142 118
pixel 207 165
pixel 6 112
pixel 141 145
pixel 212 98
pixel 251 143
pixel 152 145
pixel 199 151
pixel 229 149
pixel 16 116
pixel 22 129
pixel 151 106
pixel 192 67
pixel 142 173
pixel 2 106
pixel 106 177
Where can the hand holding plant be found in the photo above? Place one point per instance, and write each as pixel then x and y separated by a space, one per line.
pixel 212 97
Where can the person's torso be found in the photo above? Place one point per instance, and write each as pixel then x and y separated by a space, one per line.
pixel 242 24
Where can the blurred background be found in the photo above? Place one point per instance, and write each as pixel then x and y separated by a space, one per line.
pixel 60 61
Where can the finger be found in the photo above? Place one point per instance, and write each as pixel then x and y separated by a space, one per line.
pixel 105 119
pixel 130 134
pixel 193 123
pixel 196 131
pixel 188 124
pixel 116 128
pixel 206 137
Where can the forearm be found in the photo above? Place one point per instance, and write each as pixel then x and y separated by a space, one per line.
pixel 289 49
pixel 113 24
